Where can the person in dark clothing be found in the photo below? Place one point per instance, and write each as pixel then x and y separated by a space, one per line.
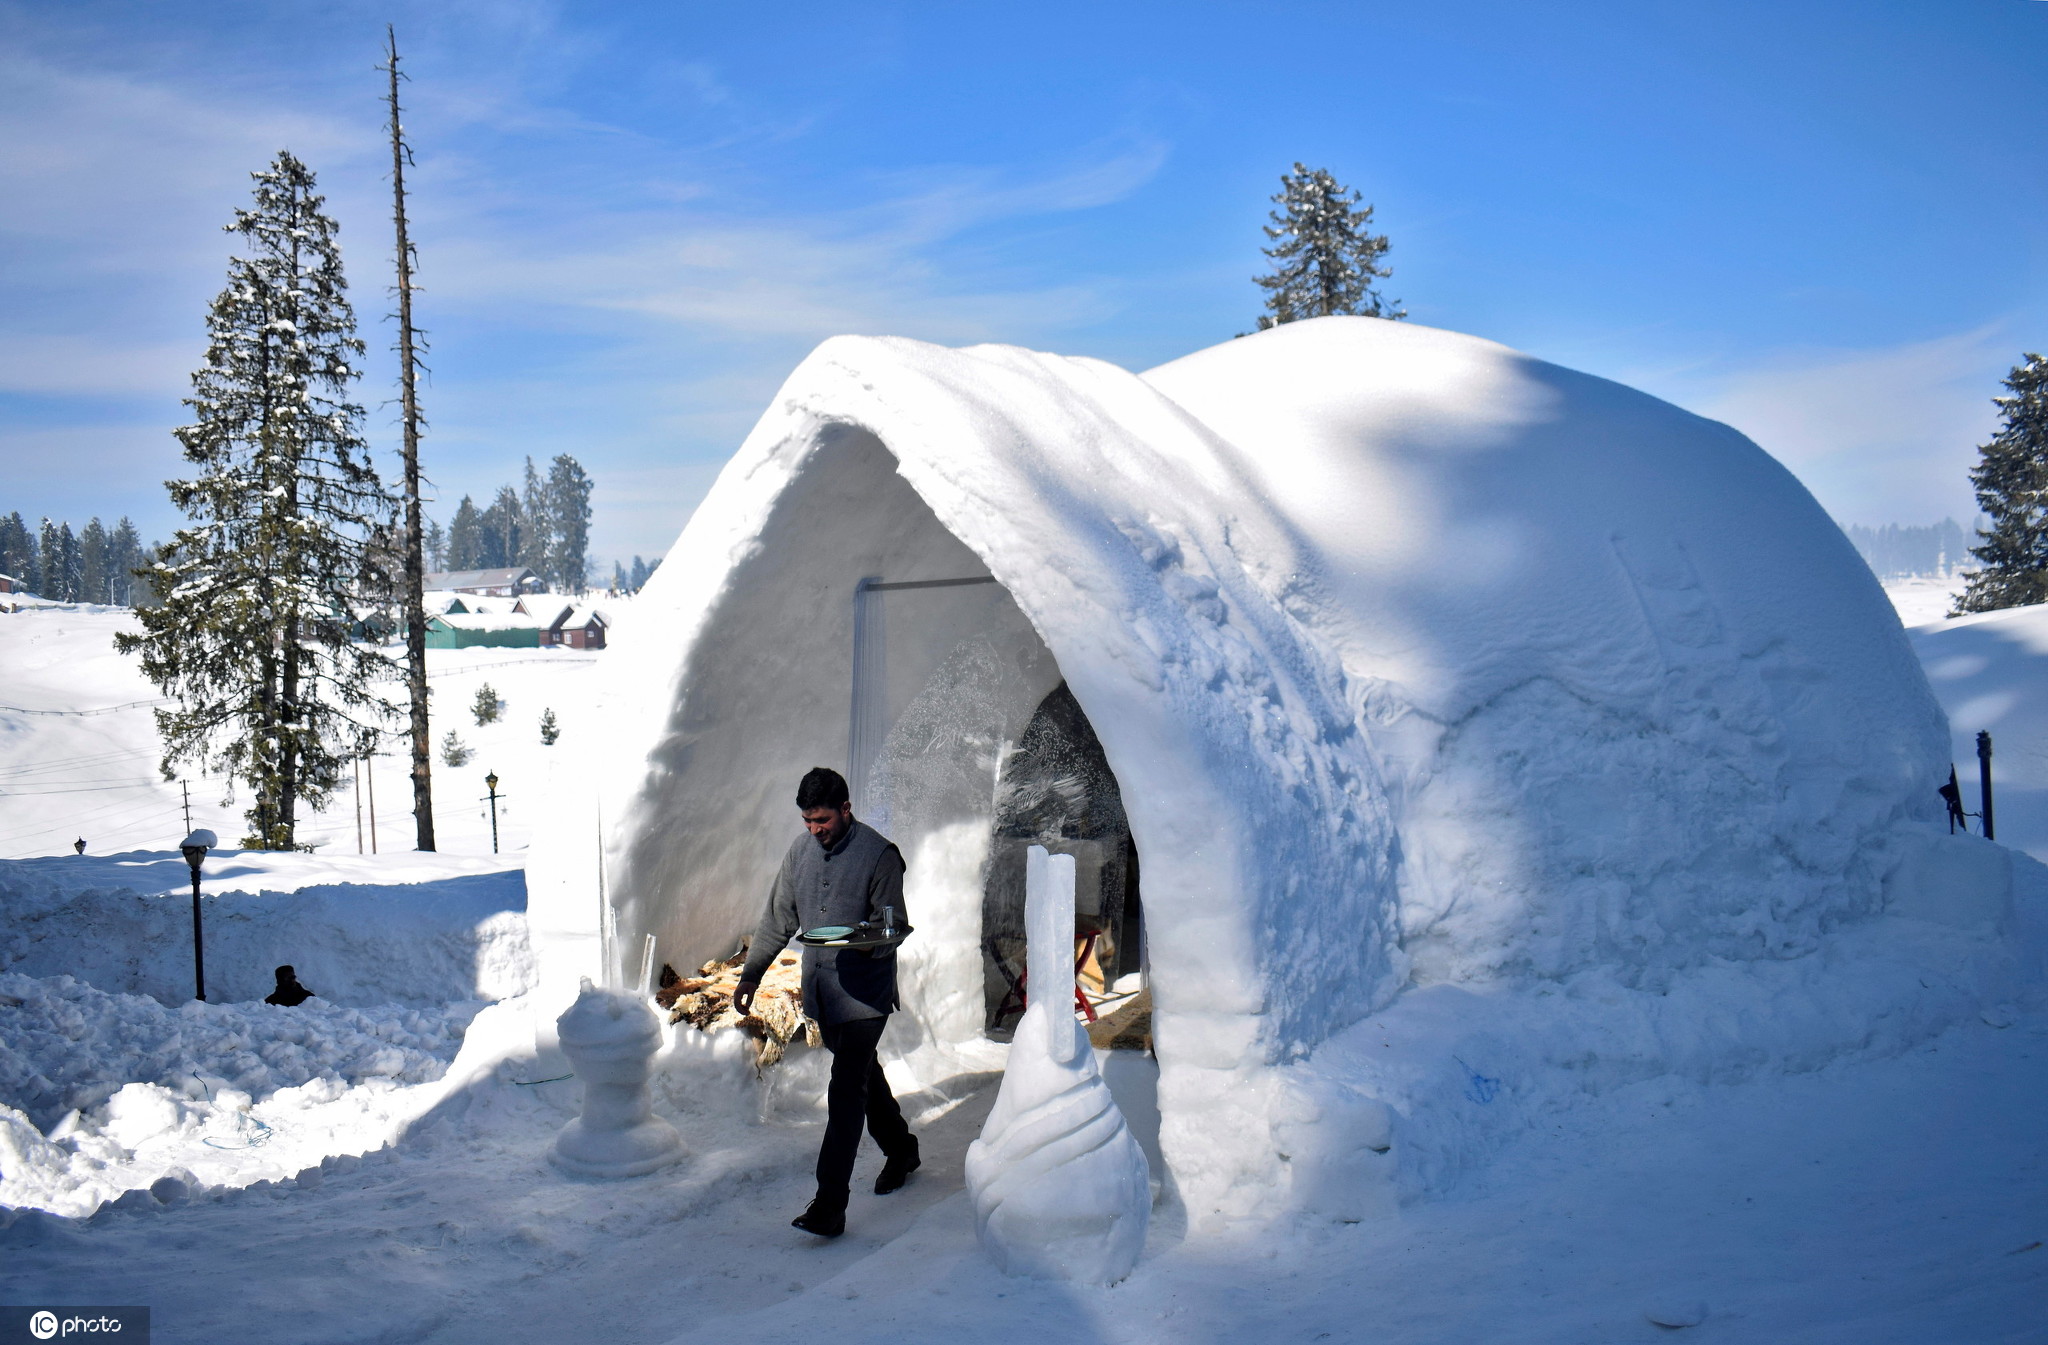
pixel 289 992
pixel 844 872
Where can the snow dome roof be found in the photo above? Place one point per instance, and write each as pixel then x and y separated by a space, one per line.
pixel 1416 659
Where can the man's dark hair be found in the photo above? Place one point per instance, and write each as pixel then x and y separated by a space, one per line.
pixel 822 787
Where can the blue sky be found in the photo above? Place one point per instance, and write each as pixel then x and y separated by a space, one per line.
pixel 1821 222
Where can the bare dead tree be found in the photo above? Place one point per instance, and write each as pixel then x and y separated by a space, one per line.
pixel 415 568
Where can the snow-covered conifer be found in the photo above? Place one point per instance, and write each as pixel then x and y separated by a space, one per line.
pixel 503 531
pixel 1325 252
pixel 251 634
pixel 2011 478
pixel 124 554
pixel 49 575
pixel 93 564
pixel 568 494
pixel 18 550
pixel 550 731
pixel 486 707
pixel 536 533
pixel 466 537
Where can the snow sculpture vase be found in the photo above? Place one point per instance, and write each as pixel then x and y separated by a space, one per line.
pixel 1061 1189
pixel 610 1038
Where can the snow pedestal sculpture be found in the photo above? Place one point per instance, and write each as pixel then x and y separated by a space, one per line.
pixel 1061 1189
pixel 610 1038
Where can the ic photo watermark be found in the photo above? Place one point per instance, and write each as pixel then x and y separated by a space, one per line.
pixel 35 1324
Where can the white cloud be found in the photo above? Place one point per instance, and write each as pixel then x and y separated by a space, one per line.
pixel 1879 436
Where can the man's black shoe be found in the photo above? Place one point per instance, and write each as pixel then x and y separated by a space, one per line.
pixel 895 1172
pixel 825 1218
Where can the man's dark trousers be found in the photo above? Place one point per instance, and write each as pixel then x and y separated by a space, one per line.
pixel 858 1093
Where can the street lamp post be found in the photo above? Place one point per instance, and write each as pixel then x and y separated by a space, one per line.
pixel 491 783
pixel 195 847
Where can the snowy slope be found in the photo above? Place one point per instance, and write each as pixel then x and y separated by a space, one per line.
pixel 79 752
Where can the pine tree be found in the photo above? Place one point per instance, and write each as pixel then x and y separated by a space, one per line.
pixel 486 707
pixel 49 575
pixel 453 751
pixel 435 544
pixel 636 578
pixel 619 581
pixel 549 730
pixel 251 634
pixel 466 537
pixel 536 534
pixel 124 554
pixel 2011 478
pixel 1326 255
pixel 568 493
pixel 93 558
pixel 18 550
pixel 74 565
pixel 502 531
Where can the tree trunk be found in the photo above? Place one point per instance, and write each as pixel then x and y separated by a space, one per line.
pixel 415 569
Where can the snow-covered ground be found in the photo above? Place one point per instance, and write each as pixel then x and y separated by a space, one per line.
pixel 1921 599
pixel 371 1167
pixel 1990 672
pixel 79 751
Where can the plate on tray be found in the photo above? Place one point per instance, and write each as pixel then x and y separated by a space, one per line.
pixel 853 936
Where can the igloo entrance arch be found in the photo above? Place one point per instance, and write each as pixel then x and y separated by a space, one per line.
pixel 860 633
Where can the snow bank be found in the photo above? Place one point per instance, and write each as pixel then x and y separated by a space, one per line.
pixel 1418 662
pixel 102 1094
pixel 1422 1092
pixel 1989 670
pixel 124 924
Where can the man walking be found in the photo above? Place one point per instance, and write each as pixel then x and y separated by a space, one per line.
pixel 843 873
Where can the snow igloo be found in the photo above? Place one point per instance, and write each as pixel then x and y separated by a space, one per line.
pixel 1349 658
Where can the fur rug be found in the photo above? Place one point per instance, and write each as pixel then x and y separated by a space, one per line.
pixel 705 1002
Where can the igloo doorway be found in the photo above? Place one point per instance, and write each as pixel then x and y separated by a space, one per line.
pixel 1055 789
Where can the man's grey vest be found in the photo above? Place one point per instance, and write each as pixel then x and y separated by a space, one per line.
pixel 831 888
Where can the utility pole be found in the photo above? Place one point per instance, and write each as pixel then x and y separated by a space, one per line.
pixel 415 567
pixel 370 777
pixel 359 805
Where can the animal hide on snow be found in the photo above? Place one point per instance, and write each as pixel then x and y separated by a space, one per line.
pixel 705 1002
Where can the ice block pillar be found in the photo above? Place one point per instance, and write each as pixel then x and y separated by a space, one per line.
pixel 1061 1189
pixel 610 1038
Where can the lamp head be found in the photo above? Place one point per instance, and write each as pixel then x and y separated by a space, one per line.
pixel 196 845
pixel 79 845
pixel 491 781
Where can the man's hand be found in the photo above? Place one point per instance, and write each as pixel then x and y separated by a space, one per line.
pixel 743 997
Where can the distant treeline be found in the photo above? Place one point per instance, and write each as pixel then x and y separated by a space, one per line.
pixel 55 563
pixel 1894 552
pixel 631 581
pixel 545 528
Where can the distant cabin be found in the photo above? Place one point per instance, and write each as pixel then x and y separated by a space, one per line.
pixel 577 627
pixel 504 583
pixel 495 630
pixel 523 624
pixel 9 584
